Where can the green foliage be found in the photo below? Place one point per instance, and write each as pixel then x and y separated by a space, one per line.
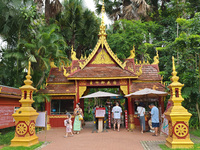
pixel 6 138
pixel 126 33
pixel 195 132
pixel 23 148
pixel 164 147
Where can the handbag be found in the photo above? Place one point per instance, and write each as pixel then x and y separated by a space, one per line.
pixel 80 117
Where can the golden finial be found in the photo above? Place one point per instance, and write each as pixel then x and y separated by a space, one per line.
pixel 156 59
pixel 174 73
pixel 29 67
pixel 73 54
pixel 102 31
pixel 132 56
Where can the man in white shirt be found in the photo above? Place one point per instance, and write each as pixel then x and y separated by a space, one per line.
pixel 116 114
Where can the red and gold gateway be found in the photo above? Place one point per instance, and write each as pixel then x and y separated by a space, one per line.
pixel 101 68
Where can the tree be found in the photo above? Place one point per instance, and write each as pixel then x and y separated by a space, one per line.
pixel 79 26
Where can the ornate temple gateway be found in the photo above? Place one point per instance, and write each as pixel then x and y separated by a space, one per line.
pixel 101 69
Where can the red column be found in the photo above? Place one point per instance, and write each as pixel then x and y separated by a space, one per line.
pixel 48 107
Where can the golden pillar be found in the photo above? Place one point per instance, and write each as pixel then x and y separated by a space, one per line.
pixel 178 117
pixel 25 117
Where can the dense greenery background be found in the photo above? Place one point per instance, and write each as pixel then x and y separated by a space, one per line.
pixel 171 27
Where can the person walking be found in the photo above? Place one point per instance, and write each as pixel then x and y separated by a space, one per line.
pixel 141 113
pixel 155 118
pixel 68 124
pixel 116 114
pixel 78 113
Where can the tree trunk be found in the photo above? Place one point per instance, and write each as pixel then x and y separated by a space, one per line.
pixel 47 11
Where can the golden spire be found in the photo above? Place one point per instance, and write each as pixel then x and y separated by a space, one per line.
pixel 102 31
pixel 132 56
pixel 28 76
pixel 73 54
pixel 174 73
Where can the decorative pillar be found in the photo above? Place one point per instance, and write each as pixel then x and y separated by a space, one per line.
pixel 125 90
pixel 25 117
pixel 48 109
pixel 131 115
pixel 178 117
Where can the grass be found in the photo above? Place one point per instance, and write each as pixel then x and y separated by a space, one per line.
pixel 164 147
pixel 195 132
pixel 6 138
pixel 22 147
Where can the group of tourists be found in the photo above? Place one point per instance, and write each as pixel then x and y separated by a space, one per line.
pixel 153 122
pixel 116 115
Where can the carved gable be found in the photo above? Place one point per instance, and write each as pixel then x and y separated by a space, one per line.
pixel 103 58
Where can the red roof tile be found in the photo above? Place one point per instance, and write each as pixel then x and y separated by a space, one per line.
pixel 101 72
pixel 6 90
pixel 136 86
pixel 149 72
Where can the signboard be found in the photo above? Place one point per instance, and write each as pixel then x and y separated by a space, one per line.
pixel 41 120
pixel 6 118
pixel 100 112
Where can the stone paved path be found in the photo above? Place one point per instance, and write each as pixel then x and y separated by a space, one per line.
pixel 111 140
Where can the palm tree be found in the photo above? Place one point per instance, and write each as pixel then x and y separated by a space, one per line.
pixel 124 9
pixel 79 26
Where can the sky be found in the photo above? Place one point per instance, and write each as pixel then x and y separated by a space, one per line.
pixel 90 5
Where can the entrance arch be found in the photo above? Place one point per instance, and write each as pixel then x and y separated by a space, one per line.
pixel 104 69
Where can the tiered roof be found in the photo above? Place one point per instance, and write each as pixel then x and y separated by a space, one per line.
pixel 103 64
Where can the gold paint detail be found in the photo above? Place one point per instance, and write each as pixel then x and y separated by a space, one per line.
pixel 174 78
pixel 51 90
pixel 130 69
pixel 123 82
pixel 108 83
pixel 21 129
pixel 108 78
pixel 32 128
pixel 156 59
pixel 154 87
pixel 65 72
pixel 124 89
pixel 91 83
pixel 0 89
pixel 180 130
pixel 132 56
pixel 139 73
pixel 102 82
pixel 103 58
pixel 102 31
pixel 81 57
pixel 114 82
pixel 52 65
pixel 74 69
pixel 73 54
pixel 83 82
pixel 82 89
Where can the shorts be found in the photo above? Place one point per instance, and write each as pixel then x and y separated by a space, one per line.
pixel 154 125
pixel 118 121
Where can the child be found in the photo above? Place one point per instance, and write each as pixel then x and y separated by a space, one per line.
pixel 68 124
